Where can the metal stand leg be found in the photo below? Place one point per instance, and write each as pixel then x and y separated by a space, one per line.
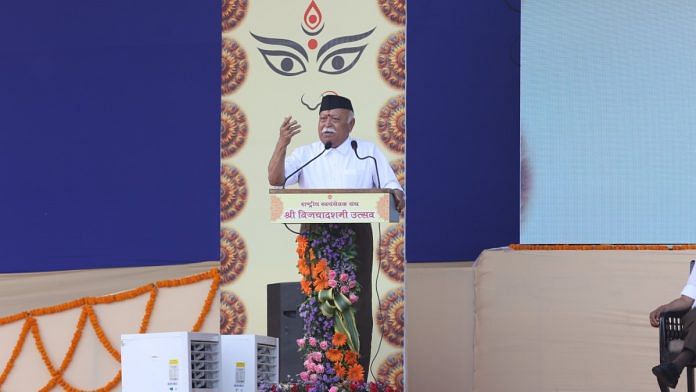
pixel 690 378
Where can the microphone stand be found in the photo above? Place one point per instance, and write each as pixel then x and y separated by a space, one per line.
pixel 354 145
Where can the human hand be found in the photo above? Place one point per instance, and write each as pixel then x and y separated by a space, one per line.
pixel 400 199
pixel 655 316
pixel 288 129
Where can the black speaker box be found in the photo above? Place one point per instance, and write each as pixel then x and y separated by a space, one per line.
pixel 285 323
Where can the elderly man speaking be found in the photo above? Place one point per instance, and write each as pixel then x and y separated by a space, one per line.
pixel 339 168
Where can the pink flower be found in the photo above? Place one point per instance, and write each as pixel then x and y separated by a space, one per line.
pixel 333 389
pixel 313 378
pixel 304 376
pixel 319 369
pixel 312 342
pixel 300 342
pixel 308 363
pixel 332 283
pixel 352 284
pixel 311 367
pixel 316 356
pixel 345 289
pixel 353 298
pixel 324 345
pixel 332 274
pixel 344 277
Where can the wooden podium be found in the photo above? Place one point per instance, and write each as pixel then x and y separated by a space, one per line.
pixel 333 206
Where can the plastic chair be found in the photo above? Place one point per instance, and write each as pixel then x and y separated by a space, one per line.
pixel 672 341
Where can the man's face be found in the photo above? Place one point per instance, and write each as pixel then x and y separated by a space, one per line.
pixel 335 126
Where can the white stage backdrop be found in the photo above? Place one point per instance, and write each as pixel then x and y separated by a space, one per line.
pixel 608 121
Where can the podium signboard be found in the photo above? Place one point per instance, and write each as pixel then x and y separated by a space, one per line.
pixel 332 206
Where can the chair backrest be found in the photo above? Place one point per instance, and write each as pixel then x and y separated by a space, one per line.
pixel 671 328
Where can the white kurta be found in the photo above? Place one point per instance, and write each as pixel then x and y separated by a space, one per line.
pixel 339 168
pixel 690 287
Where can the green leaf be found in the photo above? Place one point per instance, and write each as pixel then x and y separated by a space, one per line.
pixel 349 322
pixel 327 309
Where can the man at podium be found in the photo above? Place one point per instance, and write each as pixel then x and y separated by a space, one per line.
pixel 341 164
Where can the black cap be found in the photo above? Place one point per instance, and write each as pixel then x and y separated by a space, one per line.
pixel 329 102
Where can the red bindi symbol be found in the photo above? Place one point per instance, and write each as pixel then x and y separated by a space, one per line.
pixel 312 16
pixel 312 43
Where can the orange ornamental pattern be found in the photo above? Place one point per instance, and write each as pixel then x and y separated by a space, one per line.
pixel 233 256
pixel 390 317
pixel 233 11
pixel 233 129
pixel 391 371
pixel 391 124
pixel 233 317
pixel 391 60
pixel 234 66
pixel 233 192
pixel 394 10
pixel 391 252
pixel 87 304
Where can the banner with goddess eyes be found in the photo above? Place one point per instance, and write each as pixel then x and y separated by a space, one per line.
pixel 279 59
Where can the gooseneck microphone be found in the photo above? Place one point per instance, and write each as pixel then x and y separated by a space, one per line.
pixel 327 146
pixel 354 145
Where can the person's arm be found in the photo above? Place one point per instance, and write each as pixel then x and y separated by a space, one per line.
pixel 389 180
pixel 276 166
pixel 682 303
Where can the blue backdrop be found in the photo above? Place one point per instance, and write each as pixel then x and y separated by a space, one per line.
pixel 462 158
pixel 109 131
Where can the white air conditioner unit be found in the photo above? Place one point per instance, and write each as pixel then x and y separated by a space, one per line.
pixel 170 362
pixel 248 361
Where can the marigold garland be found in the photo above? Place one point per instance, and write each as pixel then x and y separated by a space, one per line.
pixel 602 247
pixel 145 322
pixel 17 349
pixel 31 326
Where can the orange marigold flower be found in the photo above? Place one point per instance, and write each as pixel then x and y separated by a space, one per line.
pixel 320 268
pixel 321 283
pixel 339 339
pixel 334 355
pixel 301 245
pixel 351 357
pixel 306 287
pixel 340 370
pixel 302 267
pixel 356 373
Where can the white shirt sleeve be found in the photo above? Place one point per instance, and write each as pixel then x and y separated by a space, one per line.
pixel 690 287
pixel 292 163
pixel 387 177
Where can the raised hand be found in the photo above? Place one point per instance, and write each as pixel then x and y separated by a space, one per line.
pixel 288 129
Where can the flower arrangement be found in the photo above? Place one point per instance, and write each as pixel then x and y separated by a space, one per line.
pixel 331 344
